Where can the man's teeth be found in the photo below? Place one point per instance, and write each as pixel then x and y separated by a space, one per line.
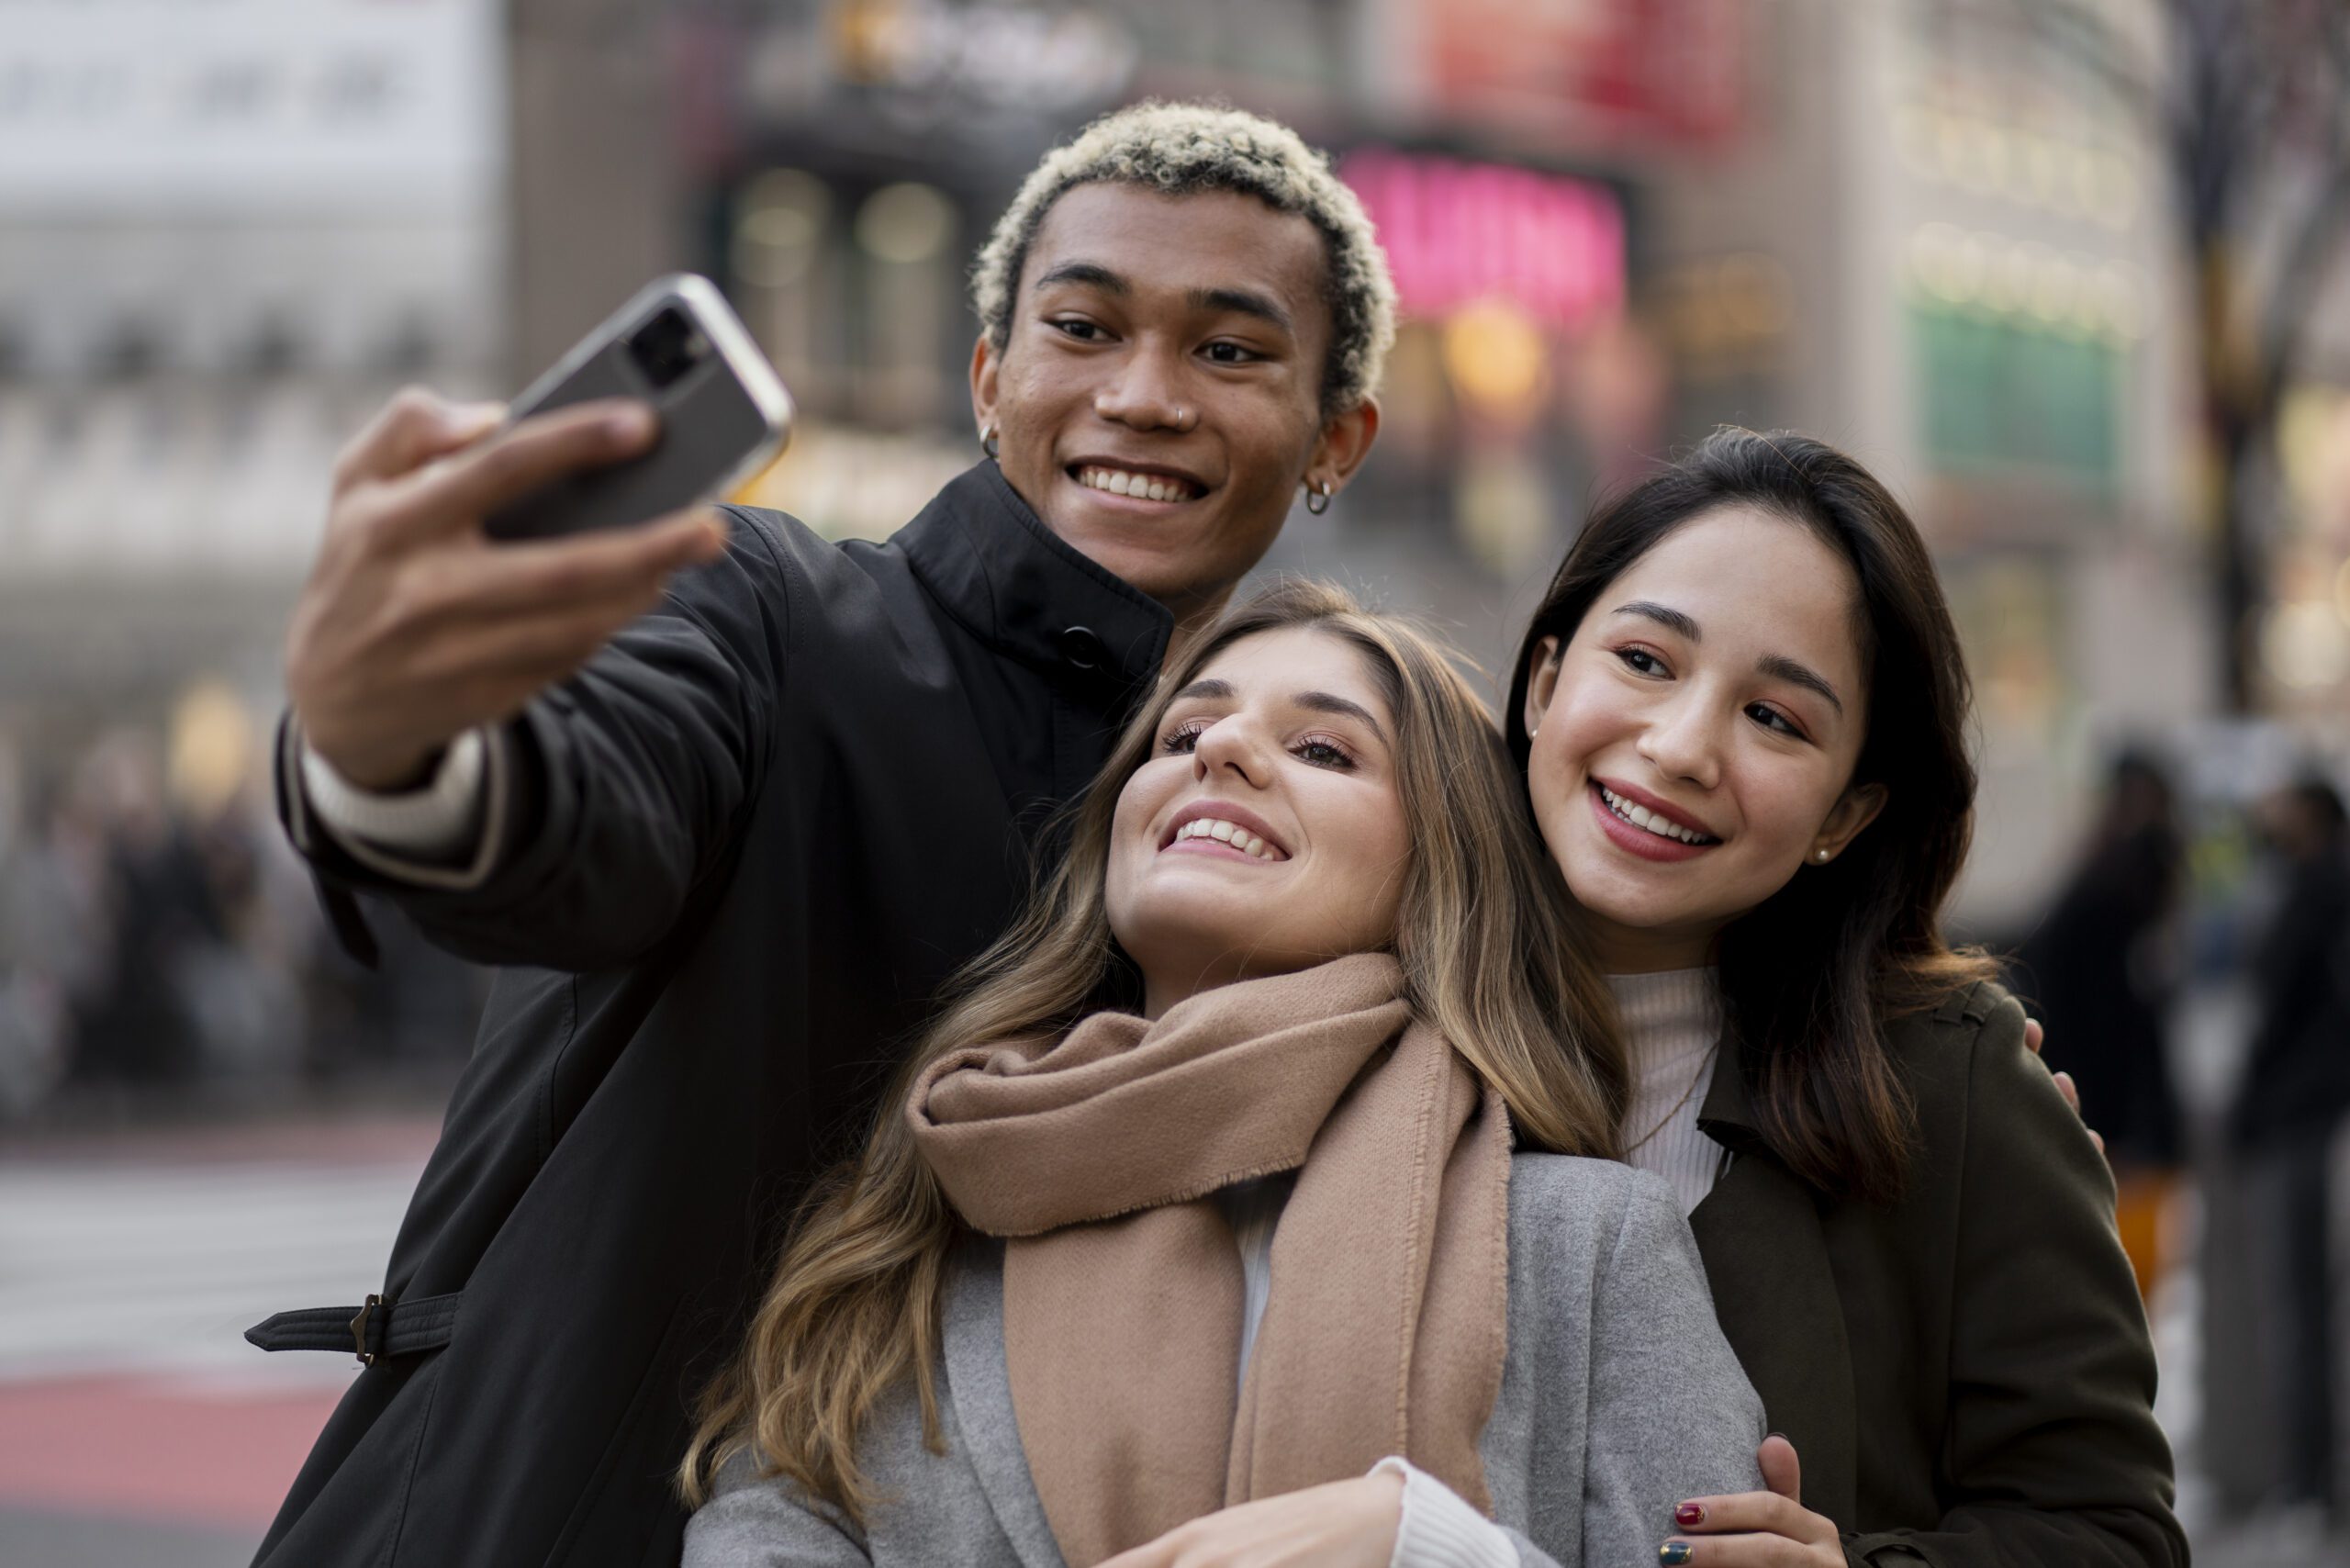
pixel 1222 832
pixel 1641 816
pixel 1118 482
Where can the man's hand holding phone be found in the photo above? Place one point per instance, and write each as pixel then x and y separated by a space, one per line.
pixel 415 626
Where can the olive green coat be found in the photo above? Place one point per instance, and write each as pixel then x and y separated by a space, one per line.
pixel 1966 1373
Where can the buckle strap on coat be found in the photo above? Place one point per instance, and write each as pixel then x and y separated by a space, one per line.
pixel 372 1331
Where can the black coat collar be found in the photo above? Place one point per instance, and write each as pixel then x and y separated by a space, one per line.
pixel 1018 588
pixel 1774 1291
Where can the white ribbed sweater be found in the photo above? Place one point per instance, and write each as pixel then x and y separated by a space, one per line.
pixel 1671 1025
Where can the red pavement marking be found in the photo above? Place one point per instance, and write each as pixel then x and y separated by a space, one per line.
pixel 140 1447
pixel 395 1139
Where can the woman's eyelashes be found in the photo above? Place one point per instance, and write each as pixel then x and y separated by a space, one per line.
pixel 1323 752
pixel 1320 750
pixel 1645 661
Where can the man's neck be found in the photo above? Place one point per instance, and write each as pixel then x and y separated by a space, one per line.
pixel 1192 620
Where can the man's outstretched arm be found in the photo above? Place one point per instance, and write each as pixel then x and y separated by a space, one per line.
pixel 605 723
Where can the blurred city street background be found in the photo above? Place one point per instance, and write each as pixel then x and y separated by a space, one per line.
pixel 2071 275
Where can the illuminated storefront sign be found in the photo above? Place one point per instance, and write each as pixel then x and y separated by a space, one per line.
pixel 1460 232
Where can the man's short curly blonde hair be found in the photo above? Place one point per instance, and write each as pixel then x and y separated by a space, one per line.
pixel 1177 150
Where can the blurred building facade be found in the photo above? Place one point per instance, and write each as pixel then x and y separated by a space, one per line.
pixel 227 233
pixel 1920 229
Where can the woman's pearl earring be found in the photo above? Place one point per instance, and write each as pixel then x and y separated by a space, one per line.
pixel 1820 856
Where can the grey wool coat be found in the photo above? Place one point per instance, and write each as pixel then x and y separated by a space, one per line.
pixel 1619 1398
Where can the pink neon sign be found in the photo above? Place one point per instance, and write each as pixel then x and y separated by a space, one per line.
pixel 1457 232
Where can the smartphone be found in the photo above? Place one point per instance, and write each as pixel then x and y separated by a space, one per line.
pixel 724 413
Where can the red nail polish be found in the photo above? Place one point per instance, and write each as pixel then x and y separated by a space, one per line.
pixel 1689 1514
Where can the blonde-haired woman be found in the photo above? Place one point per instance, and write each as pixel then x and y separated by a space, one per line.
pixel 1193 1231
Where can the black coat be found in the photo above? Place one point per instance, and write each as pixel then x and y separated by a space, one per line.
pixel 755 834
pixel 1965 1372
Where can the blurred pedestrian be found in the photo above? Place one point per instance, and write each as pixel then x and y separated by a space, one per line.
pixel 732 836
pixel 2098 967
pixel 2283 1126
pixel 136 1023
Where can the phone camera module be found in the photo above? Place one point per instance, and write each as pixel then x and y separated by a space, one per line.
pixel 667 348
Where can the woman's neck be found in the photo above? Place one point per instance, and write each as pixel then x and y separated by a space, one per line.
pixel 1636 950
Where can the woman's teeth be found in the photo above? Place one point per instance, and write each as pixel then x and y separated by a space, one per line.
pixel 1149 486
pixel 1222 832
pixel 1641 817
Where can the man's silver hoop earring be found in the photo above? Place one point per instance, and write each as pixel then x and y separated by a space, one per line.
pixel 1318 498
pixel 986 441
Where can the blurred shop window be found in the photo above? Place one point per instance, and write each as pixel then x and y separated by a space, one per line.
pixel 2305 643
pixel 904 235
pixel 780 256
pixel 2012 614
pixel 1511 282
pixel 929 62
pixel 2020 356
pixel 855 295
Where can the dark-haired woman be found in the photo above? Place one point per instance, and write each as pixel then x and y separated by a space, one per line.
pixel 1740 710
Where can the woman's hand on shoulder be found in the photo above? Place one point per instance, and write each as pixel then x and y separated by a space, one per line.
pixel 2033 1036
pixel 1344 1524
pixel 1757 1530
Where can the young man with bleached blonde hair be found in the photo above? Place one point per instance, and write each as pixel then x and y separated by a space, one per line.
pixel 730 802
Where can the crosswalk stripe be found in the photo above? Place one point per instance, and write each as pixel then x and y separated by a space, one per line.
pixel 160 1268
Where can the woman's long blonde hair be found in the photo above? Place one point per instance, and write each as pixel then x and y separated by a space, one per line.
pixel 1490 958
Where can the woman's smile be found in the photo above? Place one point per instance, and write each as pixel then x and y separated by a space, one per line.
pixel 1637 823
pixel 1223 830
pixel 1264 834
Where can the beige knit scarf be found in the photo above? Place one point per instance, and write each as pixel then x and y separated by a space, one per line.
pixel 1384 1330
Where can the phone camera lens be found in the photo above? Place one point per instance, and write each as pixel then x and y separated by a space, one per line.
pixel 667 347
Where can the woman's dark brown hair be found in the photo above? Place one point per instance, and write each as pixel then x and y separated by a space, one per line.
pixel 1811 977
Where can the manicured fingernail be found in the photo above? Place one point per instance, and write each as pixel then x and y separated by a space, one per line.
pixel 1674 1552
pixel 1689 1514
pixel 630 424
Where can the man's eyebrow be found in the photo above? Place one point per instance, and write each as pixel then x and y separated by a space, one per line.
pixel 1331 703
pixel 1210 688
pixel 1245 302
pixel 1664 616
pixel 1091 272
pixel 1780 668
